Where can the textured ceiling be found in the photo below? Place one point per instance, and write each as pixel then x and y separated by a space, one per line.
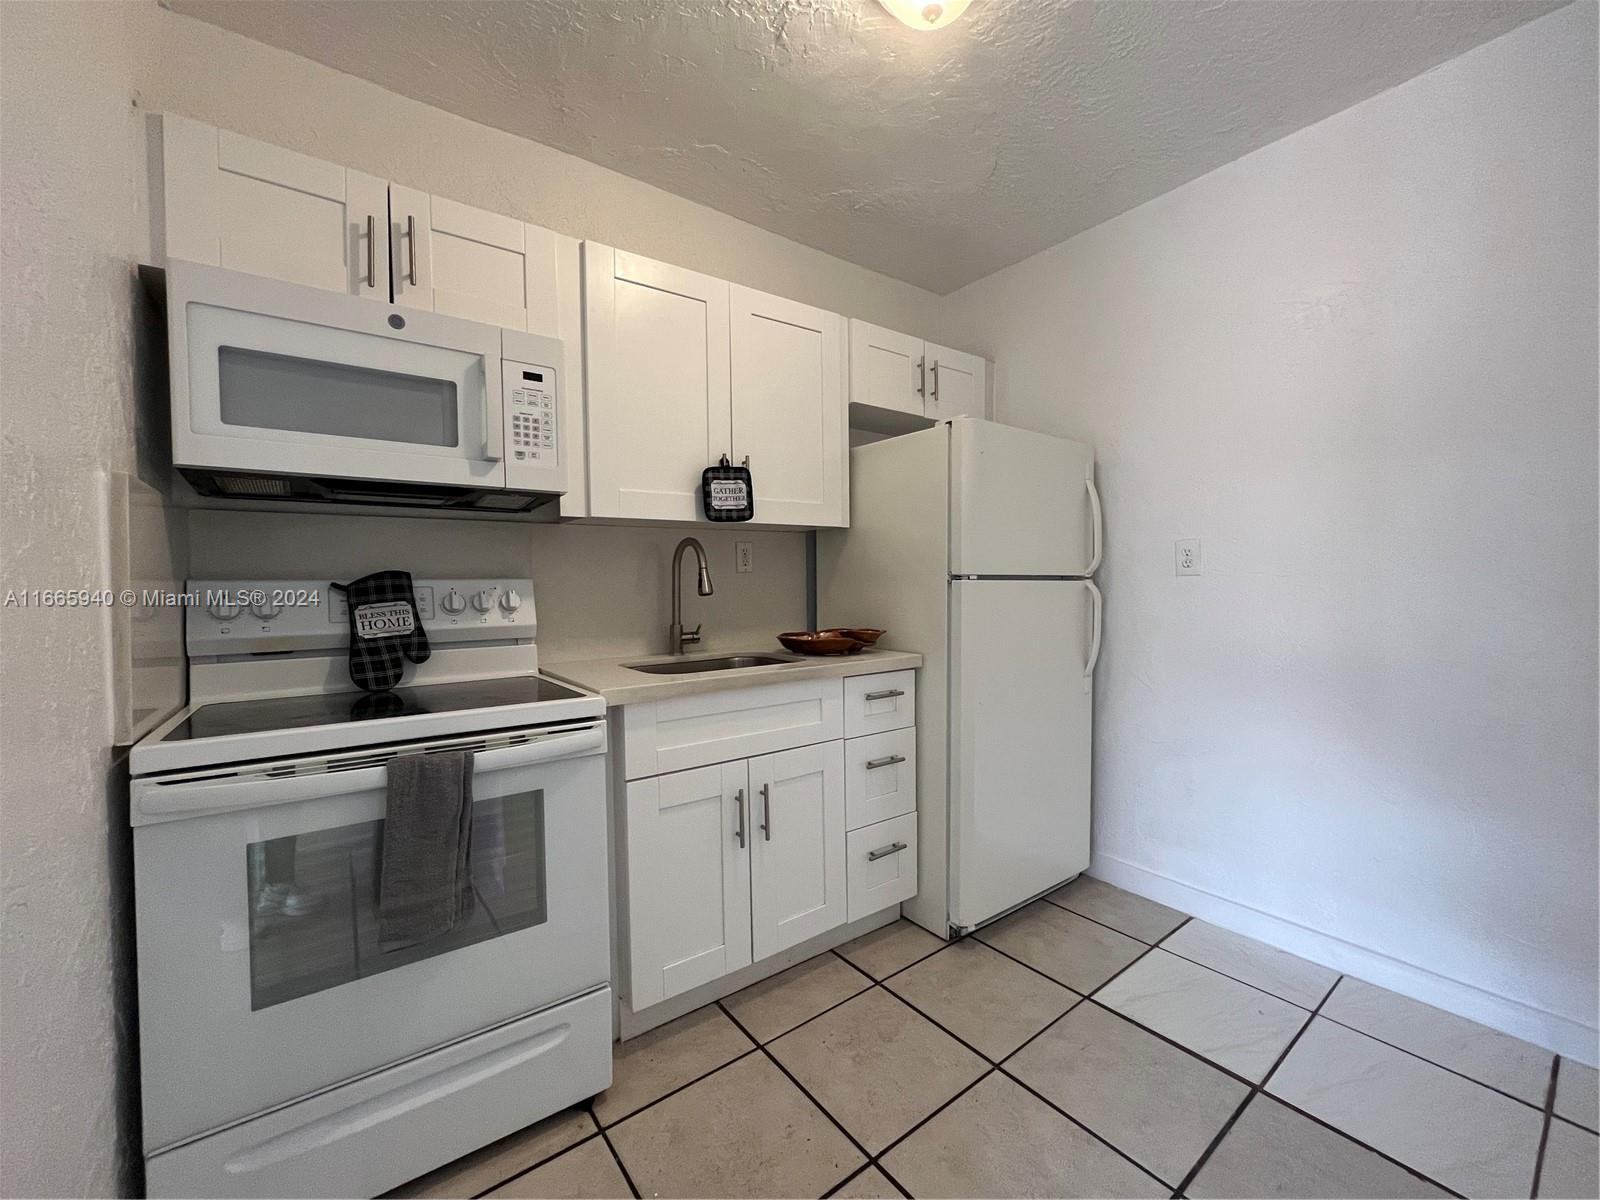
pixel 933 157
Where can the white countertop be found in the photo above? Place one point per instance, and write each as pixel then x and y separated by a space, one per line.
pixel 612 678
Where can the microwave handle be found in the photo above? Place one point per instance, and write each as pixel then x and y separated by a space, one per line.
pixel 494 429
pixel 222 794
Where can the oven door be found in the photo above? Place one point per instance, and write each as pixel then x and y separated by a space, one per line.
pixel 260 975
pixel 273 378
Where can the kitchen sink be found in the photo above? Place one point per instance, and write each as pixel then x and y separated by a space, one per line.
pixel 694 666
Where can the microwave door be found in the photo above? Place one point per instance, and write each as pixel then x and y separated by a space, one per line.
pixel 285 379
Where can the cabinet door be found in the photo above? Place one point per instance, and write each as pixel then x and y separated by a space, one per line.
pixel 249 206
pixel 467 262
pixel 688 873
pixel 886 369
pixel 788 383
pixel 656 351
pixel 797 860
pixel 957 383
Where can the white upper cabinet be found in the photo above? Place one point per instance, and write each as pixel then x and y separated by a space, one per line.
pixel 957 383
pixel 684 368
pixel 886 369
pixel 656 350
pixel 233 202
pixel 797 857
pixel 899 383
pixel 788 384
pixel 460 261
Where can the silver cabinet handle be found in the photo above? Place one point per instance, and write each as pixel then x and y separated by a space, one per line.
pixel 411 236
pixel 895 848
pixel 922 377
pixel 886 762
pixel 738 799
pixel 766 812
pixel 933 394
pixel 372 251
pixel 889 695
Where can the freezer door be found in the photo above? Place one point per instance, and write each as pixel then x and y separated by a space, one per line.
pixel 1020 715
pixel 1019 502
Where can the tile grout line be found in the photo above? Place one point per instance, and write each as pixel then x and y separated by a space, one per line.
pixel 1255 1090
pixel 1103 925
pixel 539 1162
pixel 634 1112
pixel 1544 1131
pixel 1215 1066
pixel 804 1091
pixel 1334 1020
pixel 627 1176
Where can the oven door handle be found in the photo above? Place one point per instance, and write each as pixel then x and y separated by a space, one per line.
pixel 215 795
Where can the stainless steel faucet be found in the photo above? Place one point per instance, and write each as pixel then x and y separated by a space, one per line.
pixel 679 639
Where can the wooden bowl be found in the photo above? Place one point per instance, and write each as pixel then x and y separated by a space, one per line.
pixel 809 641
pixel 865 636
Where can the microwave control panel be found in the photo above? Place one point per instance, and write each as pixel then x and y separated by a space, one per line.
pixel 531 403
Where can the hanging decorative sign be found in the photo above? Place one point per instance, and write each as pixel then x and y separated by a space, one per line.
pixel 726 493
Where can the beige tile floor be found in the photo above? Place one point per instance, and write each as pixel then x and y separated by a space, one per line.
pixel 1093 1044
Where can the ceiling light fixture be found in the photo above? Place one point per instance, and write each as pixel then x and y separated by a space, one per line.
pixel 925 14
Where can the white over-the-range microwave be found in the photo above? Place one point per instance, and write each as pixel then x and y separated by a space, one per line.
pixel 283 392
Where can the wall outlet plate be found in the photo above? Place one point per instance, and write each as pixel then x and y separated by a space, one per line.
pixel 744 557
pixel 1186 556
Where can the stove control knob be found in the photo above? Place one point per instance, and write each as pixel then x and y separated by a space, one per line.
pixel 483 600
pixel 510 601
pixel 224 610
pixel 453 602
pixel 266 609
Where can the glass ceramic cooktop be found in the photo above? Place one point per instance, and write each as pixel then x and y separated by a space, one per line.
pixel 342 708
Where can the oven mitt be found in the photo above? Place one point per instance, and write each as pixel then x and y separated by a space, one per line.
pixel 385 629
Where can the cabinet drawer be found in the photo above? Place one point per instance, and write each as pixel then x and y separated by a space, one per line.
pixel 693 731
pixel 876 703
pixel 881 865
pixel 880 774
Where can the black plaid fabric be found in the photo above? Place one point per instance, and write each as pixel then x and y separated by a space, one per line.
pixel 376 664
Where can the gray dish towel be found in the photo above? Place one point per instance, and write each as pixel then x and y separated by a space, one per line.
pixel 425 881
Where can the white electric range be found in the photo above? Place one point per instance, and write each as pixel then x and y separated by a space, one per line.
pixel 282 1052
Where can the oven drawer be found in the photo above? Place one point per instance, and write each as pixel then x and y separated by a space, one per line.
pixel 386 1129
pixel 880 777
pixel 694 731
pixel 881 865
pixel 875 703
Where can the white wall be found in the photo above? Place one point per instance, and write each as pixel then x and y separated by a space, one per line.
pixel 71 228
pixel 1360 364
pixel 75 84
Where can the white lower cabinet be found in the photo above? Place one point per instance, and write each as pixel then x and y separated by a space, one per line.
pixel 733 862
pixel 797 857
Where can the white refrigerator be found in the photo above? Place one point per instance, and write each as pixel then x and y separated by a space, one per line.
pixel 976 544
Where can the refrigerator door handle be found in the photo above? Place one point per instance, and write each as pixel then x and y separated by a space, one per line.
pixel 1097 626
pixel 1098 529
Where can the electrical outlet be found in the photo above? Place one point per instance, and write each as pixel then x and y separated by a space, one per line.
pixel 744 558
pixel 1187 556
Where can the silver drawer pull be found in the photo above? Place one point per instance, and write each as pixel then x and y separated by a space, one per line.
pixel 886 762
pixel 890 695
pixel 738 799
pixel 875 855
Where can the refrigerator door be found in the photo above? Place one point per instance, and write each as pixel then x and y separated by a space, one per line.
pixel 1020 502
pixel 1021 656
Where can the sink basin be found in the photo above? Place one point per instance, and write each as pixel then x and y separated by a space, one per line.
pixel 694 666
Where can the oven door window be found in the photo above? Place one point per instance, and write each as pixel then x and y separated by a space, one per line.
pixel 261 390
pixel 313 899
